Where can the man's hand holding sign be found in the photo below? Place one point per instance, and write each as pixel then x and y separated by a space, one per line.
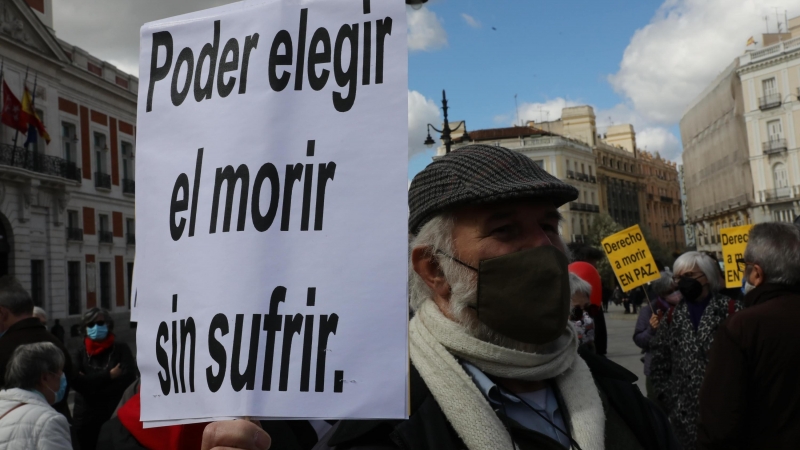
pixel 265 193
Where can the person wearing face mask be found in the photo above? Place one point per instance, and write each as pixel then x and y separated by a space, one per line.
pixel 494 362
pixel 749 398
pixel 683 337
pixel 664 296
pixel 18 326
pixel 34 380
pixel 104 369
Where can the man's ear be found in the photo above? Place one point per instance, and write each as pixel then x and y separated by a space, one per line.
pixel 427 267
pixel 757 277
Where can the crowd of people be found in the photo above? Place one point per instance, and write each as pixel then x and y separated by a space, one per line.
pixel 493 364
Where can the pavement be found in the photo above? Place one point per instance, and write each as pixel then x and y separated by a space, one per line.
pixel 621 348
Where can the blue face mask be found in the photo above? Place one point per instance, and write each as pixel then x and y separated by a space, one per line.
pixel 97 332
pixel 62 389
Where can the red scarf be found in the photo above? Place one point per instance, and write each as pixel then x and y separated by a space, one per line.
pixel 97 347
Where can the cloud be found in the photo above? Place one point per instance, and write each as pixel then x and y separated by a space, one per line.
pixel 471 21
pixel 425 30
pixel 684 47
pixel 661 140
pixel 111 31
pixel 542 111
pixel 421 112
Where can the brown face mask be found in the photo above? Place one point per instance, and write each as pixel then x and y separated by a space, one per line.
pixel 524 295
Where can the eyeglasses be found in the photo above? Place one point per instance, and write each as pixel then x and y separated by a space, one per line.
pixel 741 264
pixel 99 322
pixel 694 276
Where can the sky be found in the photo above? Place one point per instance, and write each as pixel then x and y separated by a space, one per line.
pixel 635 61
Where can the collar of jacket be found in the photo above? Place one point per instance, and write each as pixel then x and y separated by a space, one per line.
pixel 768 291
pixel 28 322
pixel 428 428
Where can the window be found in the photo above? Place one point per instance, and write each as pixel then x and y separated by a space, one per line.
pixel 68 142
pixel 73 219
pixel 105 285
pixel 590 171
pixel 583 169
pixel 130 225
pixel 104 234
pixel 539 162
pixel 130 282
pixel 593 200
pixel 74 286
pixel 769 86
pixel 100 149
pixel 774 130
pixel 127 161
pixel 37 282
pixel 780 176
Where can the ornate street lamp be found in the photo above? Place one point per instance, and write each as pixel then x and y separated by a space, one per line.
pixel 674 226
pixel 429 142
pixel 416 4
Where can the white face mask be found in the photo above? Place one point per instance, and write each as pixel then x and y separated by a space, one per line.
pixel 748 287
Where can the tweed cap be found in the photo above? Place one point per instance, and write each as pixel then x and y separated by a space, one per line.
pixel 477 174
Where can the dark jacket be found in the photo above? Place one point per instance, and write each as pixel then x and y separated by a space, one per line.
pixel 99 394
pixel 632 421
pixel 643 333
pixel 680 357
pixel 750 397
pixel 600 330
pixel 31 331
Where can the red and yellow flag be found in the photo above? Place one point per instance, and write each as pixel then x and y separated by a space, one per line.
pixel 33 118
pixel 12 114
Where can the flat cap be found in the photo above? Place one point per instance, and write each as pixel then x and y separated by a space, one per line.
pixel 477 174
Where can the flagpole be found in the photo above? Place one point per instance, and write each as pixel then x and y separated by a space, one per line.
pixel 33 108
pixel 2 65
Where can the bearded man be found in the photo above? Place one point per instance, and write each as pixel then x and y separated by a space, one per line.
pixel 494 362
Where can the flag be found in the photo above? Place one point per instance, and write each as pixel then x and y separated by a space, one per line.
pixel 33 119
pixel 12 114
pixel 751 41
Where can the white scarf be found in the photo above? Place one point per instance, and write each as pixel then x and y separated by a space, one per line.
pixel 435 341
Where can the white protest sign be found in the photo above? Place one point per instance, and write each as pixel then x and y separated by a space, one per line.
pixel 271 263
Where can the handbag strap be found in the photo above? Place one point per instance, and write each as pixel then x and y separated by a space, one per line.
pixel 15 407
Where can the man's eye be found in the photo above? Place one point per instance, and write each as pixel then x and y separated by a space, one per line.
pixel 505 229
pixel 549 228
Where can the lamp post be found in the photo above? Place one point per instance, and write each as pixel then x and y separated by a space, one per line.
pixel 416 4
pixel 429 142
pixel 674 226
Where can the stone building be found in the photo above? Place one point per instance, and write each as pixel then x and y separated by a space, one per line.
pixel 568 159
pixel 663 212
pixel 740 140
pixel 67 207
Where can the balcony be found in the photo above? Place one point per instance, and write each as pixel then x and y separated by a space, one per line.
pixel 777 194
pixel 570 175
pixel 592 179
pixel 105 237
pixel 577 206
pixel 102 180
pixel 665 199
pixel 37 162
pixel 130 239
pixel 128 186
pixel 580 238
pixel 582 177
pixel 74 234
pixel 769 101
pixel 773 146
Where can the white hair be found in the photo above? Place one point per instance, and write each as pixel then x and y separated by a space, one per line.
pixel 40 313
pixel 691 260
pixel 579 285
pixel 436 237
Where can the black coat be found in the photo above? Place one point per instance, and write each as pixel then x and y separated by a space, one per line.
pixel 31 331
pixel 628 413
pixel 750 397
pixel 99 394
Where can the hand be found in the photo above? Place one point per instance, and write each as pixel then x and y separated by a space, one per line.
pixel 656 319
pixel 115 372
pixel 235 434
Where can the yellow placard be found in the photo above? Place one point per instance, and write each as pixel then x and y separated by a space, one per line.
pixel 734 241
pixel 630 257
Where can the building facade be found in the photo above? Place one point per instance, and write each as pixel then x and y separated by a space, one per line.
pixel 567 159
pixel 770 81
pixel 663 213
pixel 740 139
pixel 67 207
